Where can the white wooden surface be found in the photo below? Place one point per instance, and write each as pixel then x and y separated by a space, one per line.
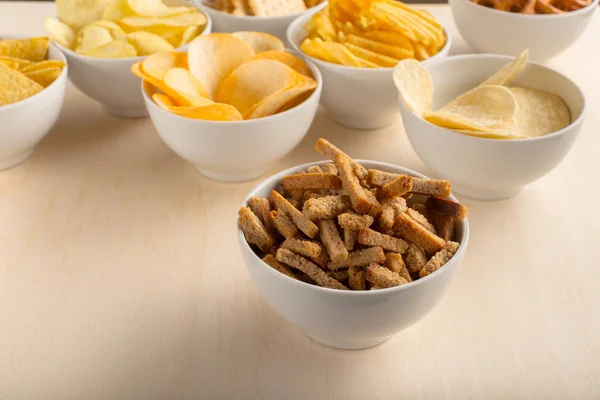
pixel 120 276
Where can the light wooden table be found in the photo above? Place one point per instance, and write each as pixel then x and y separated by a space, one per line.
pixel 120 275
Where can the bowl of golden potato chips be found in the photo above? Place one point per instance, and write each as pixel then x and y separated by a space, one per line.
pixel 233 105
pixel 269 16
pixel 33 77
pixel 355 45
pixel 103 39
pixel 490 123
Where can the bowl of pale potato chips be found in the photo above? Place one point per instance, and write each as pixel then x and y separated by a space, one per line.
pixel 33 77
pixel 355 45
pixel 102 40
pixel 490 123
pixel 233 105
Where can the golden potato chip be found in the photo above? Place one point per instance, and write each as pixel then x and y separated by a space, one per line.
pixel 14 86
pixel 288 59
pixel 211 58
pixel 78 13
pixel 152 82
pixel 384 21
pixel 163 100
pixel 378 59
pixel 116 10
pixel 313 48
pixel 321 26
pixel 43 76
pixel 181 20
pixel 157 65
pixel 415 86
pixel 156 8
pixel 213 112
pixel 32 49
pixel 396 52
pixel 92 37
pixel 421 52
pixel 147 43
pixel 295 101
pixel 190 33
pixel 60 32
pixel 273 103
pixel 183 82
pixel 113 49
pixel 115 30
pixel 539 113
pixel 508 73
pixel 259 41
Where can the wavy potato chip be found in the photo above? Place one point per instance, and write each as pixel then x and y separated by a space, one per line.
pixel 113 49
pixel 156 8
pixel 147 43
pixel 183 82
pixel 288 59
pixel 379 60
pixel 31 49
pixel 211 58
pixel 78 13
pixel 415 85
pixel 181 20
pixel 60 32
pixel 116 10
pixel 396 52
pixel 260 42
pixel 14 86
pixel 44 77
pixel 539 112
pixel 509 72
pixel 313 48
pixel 92 37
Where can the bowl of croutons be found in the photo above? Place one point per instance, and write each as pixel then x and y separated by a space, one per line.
pixel 352 251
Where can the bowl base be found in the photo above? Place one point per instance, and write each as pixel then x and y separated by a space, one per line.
pixel 362 123
pixel 15 160
pixel 121 112
pixel 350 344
pixel 486 195
pixel 238 176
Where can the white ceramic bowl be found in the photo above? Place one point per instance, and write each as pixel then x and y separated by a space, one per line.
pixel 359 98
pixel 491 31
pixel 224 22
pixel 25 123
pixel 110 81
pixel 240 150
pixel 491 169
pixel 349 319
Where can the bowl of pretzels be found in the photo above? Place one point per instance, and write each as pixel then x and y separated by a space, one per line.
pixel 545 27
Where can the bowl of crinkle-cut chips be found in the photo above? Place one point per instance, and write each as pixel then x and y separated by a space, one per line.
pixel 33 77
pixel 233 105
pixel 103 39
pixel 355 44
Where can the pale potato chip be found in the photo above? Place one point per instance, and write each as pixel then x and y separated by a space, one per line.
pixel 379 60
pixel 259 41
pixel 183 82
pixel 163 100
pixel 494 135
pixel 115 30
pixel 60 32
pixel 14 86
pixel 113 49
pixel 181 20
pixel 459 123
pixel 415 85
pixel 288 59
pixel 116 10
pixel 32 49
pixel 147 43
pixel 92 37
pixel 156 8
pixel 539 113
pixel 211 58
pixel 510 72
pixel 78 13
pixel 190 33
pixel 43 76
pixel 172 35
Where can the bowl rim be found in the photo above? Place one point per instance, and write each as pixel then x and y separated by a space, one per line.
pixel 316 92
pixel 593 4
pixel 464 240
pixel 549 136
pixel 62 75
pixel 200 5
pixel 207 31
pixel 442 53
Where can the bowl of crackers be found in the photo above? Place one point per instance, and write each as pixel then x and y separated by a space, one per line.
pixel 352 251
pixel 356 54
pixel 33 77
pixel 545 27
pixel 269 16
pixel 102 40
pixel 492 124
pixel 233 105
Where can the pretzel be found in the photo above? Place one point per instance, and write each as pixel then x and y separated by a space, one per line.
pixel 350 238
pixel 446 226
pixel 332 241
pixel 397 187
pixel 355 222
pixel 254 230
pixel 311 181
pixel 394 262
pixel 356 278
pixel 440 258
pixel 383 277
pixel 447 207
pixel 304 248
pixel 432 187
pixel 535 6
pixel 262 209
pixel 369 237
pixel 420 218
pixel 331 152
pixel 326 207
pixel 413 232
pixel 415 259
pixel 304 224
pixel 283 224
pixel 270 260
pixel 359 258
pixel 310 269
pixel 362 200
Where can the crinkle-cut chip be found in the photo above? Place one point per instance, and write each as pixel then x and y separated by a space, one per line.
pixel 410 21
pixel 78 13
pixel 259 41
pixel 115 30
pixel 113 49
pixel 92 37
pixel 43 65
pixel 253 82
pixel 184 83
pixel 212 112
pixel 386 22
pixel 509 72
pixel 116 10
pixel 395 52
pixel 60 32
pixel 415 85
pixel 156 8
pixel 163 100
pixel 15 63
pixel 190 34
pixel 181 20
pixel 421 52
pixel 313 48
pixel 14 86
pixel 32 49
pixel 44 77
pixel 213 57
pixel 147 43
pixel 539 113
pixel 287 58
pixel 341 54
pixel 320 25
pixel 379 60
pixel 391 38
